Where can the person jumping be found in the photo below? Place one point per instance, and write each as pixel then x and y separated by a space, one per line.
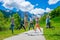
pixel 37 24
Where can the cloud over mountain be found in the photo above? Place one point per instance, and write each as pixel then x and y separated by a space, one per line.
pixel 24 6
pixel 37 11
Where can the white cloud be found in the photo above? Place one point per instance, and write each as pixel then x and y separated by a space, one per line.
pixel 48 10
pixel 24 6
pixel 37 11
pixel 18 4
pixel 40 11
pixel 52 1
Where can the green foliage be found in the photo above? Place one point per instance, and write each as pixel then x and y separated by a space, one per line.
pixel 55 12
pixel 16 20
pixel 56 19
pixel 5 22
pixel 1 21
pixel 43 19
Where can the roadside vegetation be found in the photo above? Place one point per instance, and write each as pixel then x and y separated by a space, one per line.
pixel 52 33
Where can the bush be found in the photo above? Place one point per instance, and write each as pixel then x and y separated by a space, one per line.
pixel 2 28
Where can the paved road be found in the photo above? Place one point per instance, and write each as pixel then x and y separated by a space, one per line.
pixel 30 35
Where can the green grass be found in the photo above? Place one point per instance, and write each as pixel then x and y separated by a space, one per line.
pixel 52 33
pixel 8 33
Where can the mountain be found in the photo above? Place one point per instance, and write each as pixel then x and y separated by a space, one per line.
pixel 8 12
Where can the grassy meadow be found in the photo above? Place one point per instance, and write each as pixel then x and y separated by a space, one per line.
pixel 54 32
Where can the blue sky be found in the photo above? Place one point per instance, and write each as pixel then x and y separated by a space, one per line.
pixel 43 4
pixel 32 6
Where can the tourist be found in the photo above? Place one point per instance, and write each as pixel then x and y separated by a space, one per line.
pixel 48 22
pixel 37 24
pixel 31 24
pixel 22 24
pixel 12 25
